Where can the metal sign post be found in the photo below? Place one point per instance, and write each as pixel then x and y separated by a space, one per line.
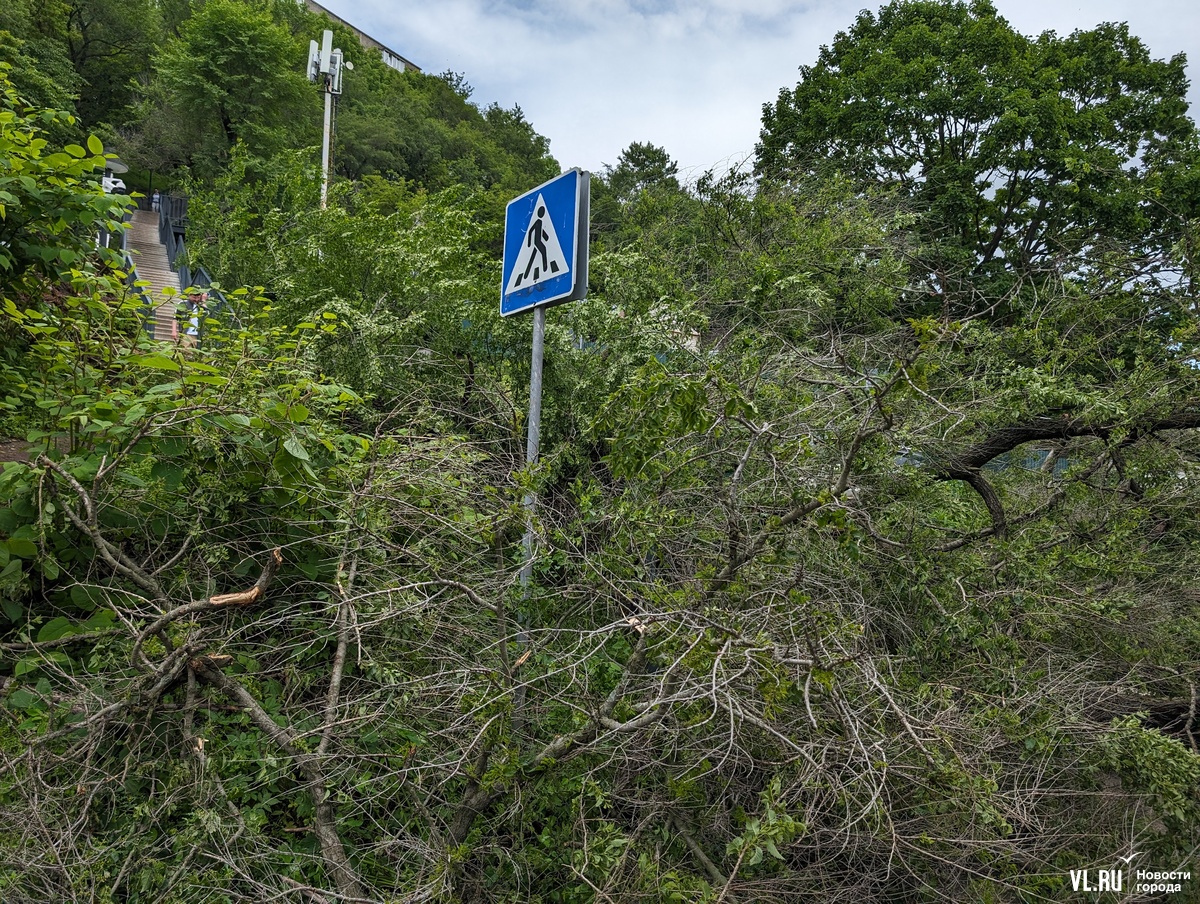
pixel 545 263
pixel 533 438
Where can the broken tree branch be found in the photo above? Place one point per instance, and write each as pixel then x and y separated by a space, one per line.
pixel 242 598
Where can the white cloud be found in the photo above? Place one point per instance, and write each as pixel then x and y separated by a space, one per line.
pixel 595 75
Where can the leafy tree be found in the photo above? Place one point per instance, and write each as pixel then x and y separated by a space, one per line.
pixel 1025 153
pixel 423 129
pixel 396 265
pixel 82 55
pixel 641 194
pixel 111 44
pixel 641 167
pixel 233 75
pixel 40 67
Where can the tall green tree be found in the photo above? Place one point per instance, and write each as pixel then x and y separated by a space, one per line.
pixel 641 166
pixel 40 65
pixel 112 45
pixel 233 74
pixel 424 128
pixel 640 194
pixel 1023 153
pixel 89 53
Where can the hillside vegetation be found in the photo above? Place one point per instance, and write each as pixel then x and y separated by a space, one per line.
pixel 866 553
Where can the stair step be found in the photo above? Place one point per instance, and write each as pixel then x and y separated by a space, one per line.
pixel 153 268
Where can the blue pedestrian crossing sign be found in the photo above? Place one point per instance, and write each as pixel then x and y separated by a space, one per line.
pixel 546 244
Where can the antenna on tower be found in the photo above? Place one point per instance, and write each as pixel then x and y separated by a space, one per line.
pixel 325 65
pixel 326 51
pixel 314 61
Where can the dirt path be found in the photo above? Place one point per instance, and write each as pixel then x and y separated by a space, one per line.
pixel 15 449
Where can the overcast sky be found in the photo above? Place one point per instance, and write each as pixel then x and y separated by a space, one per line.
pixel 690 75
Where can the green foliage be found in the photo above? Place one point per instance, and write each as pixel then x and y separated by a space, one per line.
pixel 766 833
pixel 48 203
pixel 51 207
pixel 233 75
pixel 828 582
pixel 1163 769
pixel 80 55
pixel 177 86
pixel 641 195
pixel 1020 151
pixel 397 267
pixel 40 63
pixel 111 44
pixel 641 167
pixel 418 128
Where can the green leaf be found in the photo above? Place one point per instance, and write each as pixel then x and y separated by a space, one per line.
pixel 54 629
pixel 168 472
pixel 100 619
pixel 95 145
pixel 158 362
pixel 22 698
pixel 295 449
pixel 82 597
pixel 201 366
pixel 24 549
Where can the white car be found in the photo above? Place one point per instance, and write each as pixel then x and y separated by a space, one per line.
pixel 112 184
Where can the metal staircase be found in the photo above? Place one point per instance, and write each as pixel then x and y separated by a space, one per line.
pixel 149 257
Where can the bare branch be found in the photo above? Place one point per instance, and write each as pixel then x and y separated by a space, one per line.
pixel 242 598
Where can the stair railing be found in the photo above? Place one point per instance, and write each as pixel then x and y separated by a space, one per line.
pixel 172 224
pixel 218 305
pixel 172 227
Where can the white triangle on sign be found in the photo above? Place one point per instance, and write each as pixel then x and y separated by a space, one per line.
pixel 541 256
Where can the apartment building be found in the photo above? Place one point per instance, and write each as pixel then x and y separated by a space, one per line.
pixel 391 57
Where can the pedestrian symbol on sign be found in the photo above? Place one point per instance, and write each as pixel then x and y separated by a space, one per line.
pixel 546 245
pixel 541 253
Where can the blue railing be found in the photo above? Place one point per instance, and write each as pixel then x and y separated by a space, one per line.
pixel 172 225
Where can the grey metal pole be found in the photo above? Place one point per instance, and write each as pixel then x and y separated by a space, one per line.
pixel 530 500
pixel 535 435
pixel 325 143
